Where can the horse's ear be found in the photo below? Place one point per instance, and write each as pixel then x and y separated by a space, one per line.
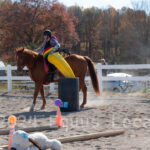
pixel 20 49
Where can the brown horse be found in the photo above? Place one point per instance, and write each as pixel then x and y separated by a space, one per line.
pixel 35 65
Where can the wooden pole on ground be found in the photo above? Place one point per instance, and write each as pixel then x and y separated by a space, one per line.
pixel 85 137
pixel 32 129
pixel 91 136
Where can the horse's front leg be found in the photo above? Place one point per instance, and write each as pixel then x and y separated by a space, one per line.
pixel 36 91
pixel 43 97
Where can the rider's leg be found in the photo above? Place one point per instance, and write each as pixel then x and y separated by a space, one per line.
pixel 51 71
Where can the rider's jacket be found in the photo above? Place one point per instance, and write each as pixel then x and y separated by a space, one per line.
pixel 51 43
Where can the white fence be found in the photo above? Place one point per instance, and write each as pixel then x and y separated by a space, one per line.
pixel 101 78
pixel 9 78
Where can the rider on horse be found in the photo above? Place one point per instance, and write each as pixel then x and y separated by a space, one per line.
pixel 50 51
pixel 49 40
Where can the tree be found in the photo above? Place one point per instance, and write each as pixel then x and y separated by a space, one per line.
pixel 22 24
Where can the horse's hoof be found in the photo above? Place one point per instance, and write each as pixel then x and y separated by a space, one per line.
pixel 82 106
pixel 43 107
pixel 32 108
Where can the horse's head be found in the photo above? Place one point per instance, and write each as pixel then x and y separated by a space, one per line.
pixel 20 58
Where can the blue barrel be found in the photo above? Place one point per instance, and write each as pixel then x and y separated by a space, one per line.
pixel 68 92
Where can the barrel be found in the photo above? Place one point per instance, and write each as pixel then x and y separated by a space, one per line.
pixel 68 92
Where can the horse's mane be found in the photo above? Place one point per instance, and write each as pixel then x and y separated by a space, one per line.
pixel 18 49
pixel 29 52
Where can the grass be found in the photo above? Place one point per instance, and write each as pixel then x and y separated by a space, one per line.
pixel 24 87
pixel 19 87
pixel 3 86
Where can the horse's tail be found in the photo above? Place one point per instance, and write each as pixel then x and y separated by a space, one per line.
pixel 93 75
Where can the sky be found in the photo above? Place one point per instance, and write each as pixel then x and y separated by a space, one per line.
pixel 98 3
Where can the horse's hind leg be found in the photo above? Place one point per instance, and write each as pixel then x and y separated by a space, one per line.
pixel 36 91
pixel 84 90
pixel 43 97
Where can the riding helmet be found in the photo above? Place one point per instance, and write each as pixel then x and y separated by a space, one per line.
pixel 47 32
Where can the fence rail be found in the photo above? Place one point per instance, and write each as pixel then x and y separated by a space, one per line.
pixel 101 78
pixel 9 78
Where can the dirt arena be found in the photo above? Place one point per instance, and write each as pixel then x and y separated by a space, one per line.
pixel 130 113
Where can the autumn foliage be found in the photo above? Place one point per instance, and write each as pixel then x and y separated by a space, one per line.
pixel 22 24
pixel 119 36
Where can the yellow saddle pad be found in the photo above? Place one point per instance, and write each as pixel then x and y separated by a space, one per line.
pixel 60 63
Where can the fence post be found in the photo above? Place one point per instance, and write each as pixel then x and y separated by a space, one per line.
pixel 100 79
pixel 9 78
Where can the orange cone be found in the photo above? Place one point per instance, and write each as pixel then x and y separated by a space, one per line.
pixel 12 120
pixel 12 130
pixel 59 122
